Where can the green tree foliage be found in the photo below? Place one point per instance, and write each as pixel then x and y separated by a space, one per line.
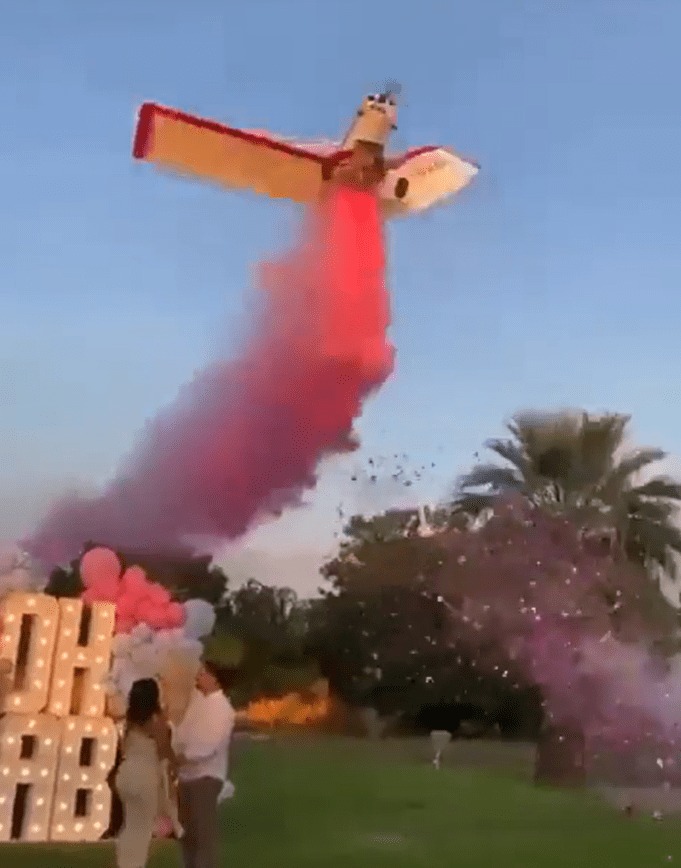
pixel 263 614
pixel 381 632
pixel 224 648
pixel 270 624
pixel 64 582
pixel 577 464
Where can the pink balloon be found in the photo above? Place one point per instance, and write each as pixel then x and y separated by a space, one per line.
pixel 138 600
pixel 124 625
pixel 97 595
pixel 157 619
pixel 173 616
pixel 134 581
pixel 176 616
pixel 125 608
pixel 158 595
pixel 146 612
pixel 108 593
pixel 100 566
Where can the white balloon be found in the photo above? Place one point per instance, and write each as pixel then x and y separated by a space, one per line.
pixel 121 644
pixel 147 653
pixel 126 680
pixel 116 667
pixel 141 633
pixel 18 572
pixel 200 619
pixel 193 648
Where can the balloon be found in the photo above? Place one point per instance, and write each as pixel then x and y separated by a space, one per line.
pixel 141 633
pixel 124 625
pixel 134 582
pixel 176 615
pixel 156 618
pixel 116 705
pixel 101 567
pixel 158 595
pixel 89 596
pixel 142 601
pixel 199 619
pixel 138 600
pixel 126 608
pixel 121 644
pixel 164 638
pixel 193 646
pixel 144 660
pixel 146 612
pixel 100 593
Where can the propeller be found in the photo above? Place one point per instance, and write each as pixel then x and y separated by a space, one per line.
pixel 394 88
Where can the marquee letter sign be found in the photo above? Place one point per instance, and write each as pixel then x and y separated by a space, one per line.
pixel 57 747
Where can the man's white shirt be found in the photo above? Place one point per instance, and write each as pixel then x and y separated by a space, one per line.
pixel 203 737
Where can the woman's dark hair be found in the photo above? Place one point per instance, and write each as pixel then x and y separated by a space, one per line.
pixel 144 702
pixel 224 675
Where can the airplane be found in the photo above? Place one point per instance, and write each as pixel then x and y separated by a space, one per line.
pixel 301 171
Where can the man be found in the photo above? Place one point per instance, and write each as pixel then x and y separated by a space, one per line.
pixel 201 744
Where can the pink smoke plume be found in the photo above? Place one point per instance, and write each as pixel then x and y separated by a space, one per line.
pixel 244 438
pixel 559 611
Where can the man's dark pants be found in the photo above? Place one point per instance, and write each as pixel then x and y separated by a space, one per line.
pixel 198 810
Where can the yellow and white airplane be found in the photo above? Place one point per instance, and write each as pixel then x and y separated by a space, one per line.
pixel 301 171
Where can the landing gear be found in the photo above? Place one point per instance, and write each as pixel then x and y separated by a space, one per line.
pixel 401 188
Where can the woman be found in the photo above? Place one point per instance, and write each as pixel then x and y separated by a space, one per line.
pixel 141 775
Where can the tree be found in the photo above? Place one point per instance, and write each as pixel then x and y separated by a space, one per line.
pixel 65 582
pixel 575 464
pixel 576 620
pixel 383 638
pixel 270 626
pixel 394 524
pixel 263 613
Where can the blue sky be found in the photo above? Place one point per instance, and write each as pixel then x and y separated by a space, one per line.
pixel 554 280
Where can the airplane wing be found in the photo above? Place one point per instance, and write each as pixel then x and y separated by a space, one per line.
pixel 231 157
pixel 320 147
pixel 434 175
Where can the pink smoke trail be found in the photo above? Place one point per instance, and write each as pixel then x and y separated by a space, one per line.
pixel 244 438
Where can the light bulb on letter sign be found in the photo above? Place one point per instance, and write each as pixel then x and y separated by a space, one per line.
pixel 29 629
pixel 82 797
pixel 29 750
pixel 80 670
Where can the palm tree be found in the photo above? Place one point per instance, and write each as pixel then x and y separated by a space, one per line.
pixel 576 463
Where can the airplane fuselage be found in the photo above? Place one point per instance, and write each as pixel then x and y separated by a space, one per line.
pixel 365 144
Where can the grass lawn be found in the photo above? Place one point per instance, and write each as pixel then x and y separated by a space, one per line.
pixel 308 802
